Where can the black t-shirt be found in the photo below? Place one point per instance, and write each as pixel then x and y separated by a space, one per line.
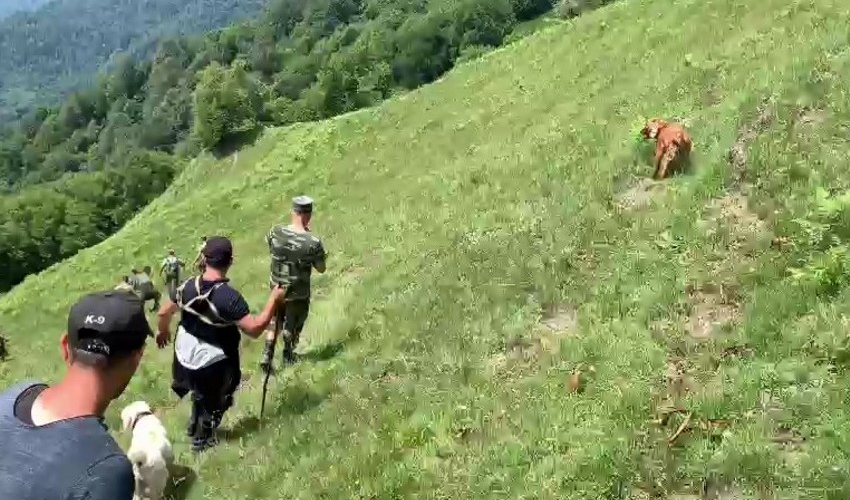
pixel 230 306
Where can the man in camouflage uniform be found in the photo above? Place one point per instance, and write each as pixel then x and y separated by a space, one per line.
pixel 295 252
pixel 144 287
pixel 170 268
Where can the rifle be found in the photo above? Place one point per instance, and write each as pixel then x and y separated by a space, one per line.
pixel 278 324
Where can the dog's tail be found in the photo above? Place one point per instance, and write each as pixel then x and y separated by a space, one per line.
pixel 138 458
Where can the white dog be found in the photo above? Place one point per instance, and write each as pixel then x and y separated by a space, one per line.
pixel 150 450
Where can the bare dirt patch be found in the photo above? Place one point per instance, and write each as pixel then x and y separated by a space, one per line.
pixel 679 382
pixel 387 376
pixel 712 306
pixel 497 362
pixel 791 446
pixel 556 322
pixel 639 195
pixel 518 355
pixel 528 348
pixel 524 348
pixel 808 115
pixel 737 155
pixel 561 319
pixel 732 212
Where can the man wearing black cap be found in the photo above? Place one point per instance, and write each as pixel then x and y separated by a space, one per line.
pixel 295 252
pixel 53 440
pixel 206 349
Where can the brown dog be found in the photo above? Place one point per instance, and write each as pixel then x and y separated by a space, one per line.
pixel 672 145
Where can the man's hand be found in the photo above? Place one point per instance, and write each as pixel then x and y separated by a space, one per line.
pixel 277 292
pixel 163 338
pixel 255 326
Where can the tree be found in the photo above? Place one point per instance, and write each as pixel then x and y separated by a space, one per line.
pixel 529 9
pixel 227 101
pixel 126 79
pixel 284 15
pixel 481 22
pixel 423 50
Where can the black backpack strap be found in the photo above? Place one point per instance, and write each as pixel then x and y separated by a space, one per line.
pixel 216 320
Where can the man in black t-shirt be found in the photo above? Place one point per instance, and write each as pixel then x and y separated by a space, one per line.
pixel 53 442
pixel 206 349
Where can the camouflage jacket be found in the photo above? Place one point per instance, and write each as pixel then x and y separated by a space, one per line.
pixel 293 256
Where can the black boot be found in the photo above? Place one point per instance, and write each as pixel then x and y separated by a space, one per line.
pixel 204 437
pixel 266 363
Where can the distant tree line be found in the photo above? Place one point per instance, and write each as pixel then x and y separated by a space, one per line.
pixel 45 223
pixel 60 46
pixel 77 172
pixel 8 7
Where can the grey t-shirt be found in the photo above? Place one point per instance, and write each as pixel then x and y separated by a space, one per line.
pixel 74 459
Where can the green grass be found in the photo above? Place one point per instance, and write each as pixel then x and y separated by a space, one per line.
pixel 456 215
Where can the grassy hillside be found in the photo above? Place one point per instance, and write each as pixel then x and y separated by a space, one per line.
pixel 492 236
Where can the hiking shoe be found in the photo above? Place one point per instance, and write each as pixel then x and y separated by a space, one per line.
pixel 202 444
pixel 204 437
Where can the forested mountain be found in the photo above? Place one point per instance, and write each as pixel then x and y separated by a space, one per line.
pixel 108 150
pixel 8 7
pixel 45 53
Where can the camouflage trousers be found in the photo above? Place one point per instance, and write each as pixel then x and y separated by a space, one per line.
pixel 294 314
pixel 149 292
pixel 172 282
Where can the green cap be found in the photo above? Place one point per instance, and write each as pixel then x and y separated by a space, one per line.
pixel 302 204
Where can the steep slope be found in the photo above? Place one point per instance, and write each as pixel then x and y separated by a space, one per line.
pixel 60 46
pixel 491 239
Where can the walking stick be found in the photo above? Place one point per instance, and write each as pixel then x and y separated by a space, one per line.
pixel 277 326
